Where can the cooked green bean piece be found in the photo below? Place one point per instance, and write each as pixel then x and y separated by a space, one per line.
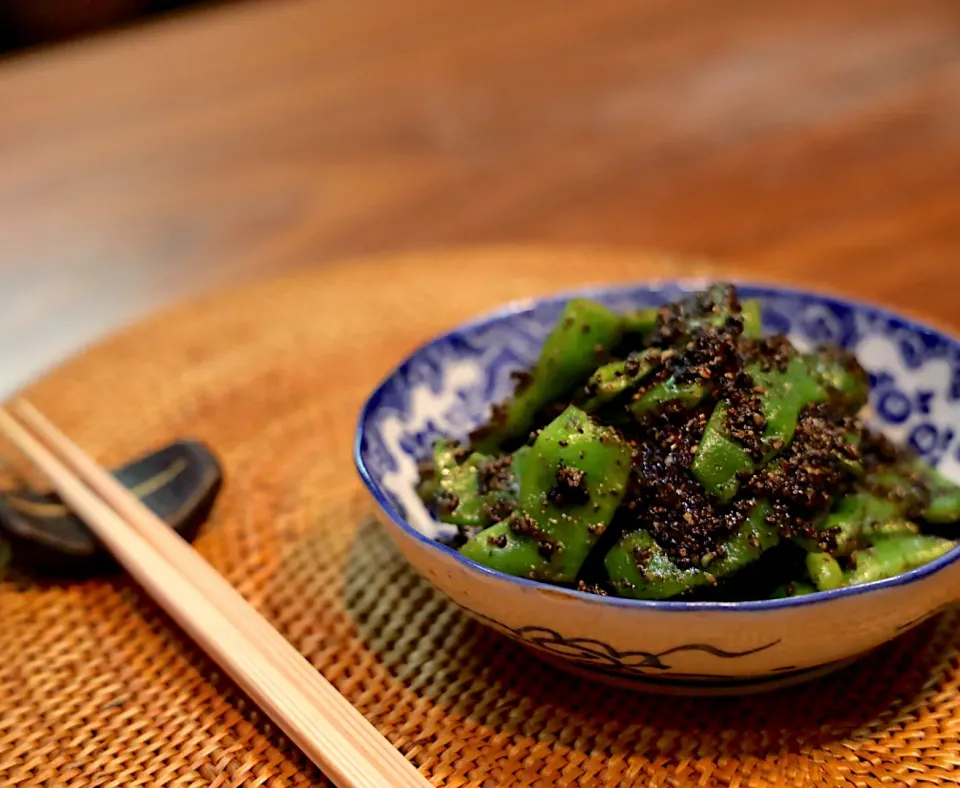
pixel 458 493
pixel 890 529
pixel 640 322
pixel 824 571
pixel 839 373
pixel 580 340
pixel 855 518
pixel 639 568
pixel 688 395
pixel 752 320
pixel 784 395
pixel 721 460
pixel 678 323
pixel 613 379
pixel 944 506
pixel 458 497
pixel 571 484
pixel 894 556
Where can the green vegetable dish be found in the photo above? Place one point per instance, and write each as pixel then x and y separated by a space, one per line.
pixel 679 453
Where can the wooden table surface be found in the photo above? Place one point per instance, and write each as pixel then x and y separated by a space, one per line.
pixel 816 141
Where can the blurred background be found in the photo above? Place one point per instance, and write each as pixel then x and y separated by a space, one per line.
pixel 25 23
pixel 197 146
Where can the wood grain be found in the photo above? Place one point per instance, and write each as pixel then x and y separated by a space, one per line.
pixel 816 142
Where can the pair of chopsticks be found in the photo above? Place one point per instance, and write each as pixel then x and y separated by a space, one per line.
pixel 318 719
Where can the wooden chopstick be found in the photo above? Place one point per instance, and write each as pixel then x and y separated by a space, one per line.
pixel 225 596
pixel 349 750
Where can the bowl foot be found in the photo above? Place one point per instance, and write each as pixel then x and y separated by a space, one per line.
pixel 691 684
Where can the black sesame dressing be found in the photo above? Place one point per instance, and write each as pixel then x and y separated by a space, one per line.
pixel 447 502
pixel 499 509
pixel 500 540
pixel 674 320
pixel 495 475
pixel 523 525
pixel 663 497
pixel 774 352
pixel 521 380
pixel 709 357
pixel 816 467
pixel 591 588
pixel 632 365
pixel 569 487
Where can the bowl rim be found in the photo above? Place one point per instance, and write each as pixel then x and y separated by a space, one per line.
pixel 519 306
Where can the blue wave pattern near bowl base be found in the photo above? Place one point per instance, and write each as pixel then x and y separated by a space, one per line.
pixel 446 387
pixel 646 666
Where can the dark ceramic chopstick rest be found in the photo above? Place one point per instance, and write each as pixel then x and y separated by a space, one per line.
pixel 179 483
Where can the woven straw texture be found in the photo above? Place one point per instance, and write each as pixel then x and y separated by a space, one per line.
pixel 97 688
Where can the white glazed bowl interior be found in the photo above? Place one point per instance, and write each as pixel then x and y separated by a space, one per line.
pixel 446 388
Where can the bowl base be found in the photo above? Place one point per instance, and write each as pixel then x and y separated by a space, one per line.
pixel 678 685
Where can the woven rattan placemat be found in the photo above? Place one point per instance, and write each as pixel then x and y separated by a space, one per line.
pixel 97 688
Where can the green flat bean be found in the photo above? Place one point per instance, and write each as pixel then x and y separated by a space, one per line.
pixel 454 487
pixel 613 379
pixel 688 395
pixel 571 484
pixel 585 332
pixel 944 506
pixel 894 556
pixel 752 320
pixel 458 497
pixel 639 568
pixel 854 518
pixel 641 322
pixel 824 571
pixel 721 460
pixel 840 374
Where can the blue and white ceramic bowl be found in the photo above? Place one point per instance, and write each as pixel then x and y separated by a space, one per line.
pixel 447 386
